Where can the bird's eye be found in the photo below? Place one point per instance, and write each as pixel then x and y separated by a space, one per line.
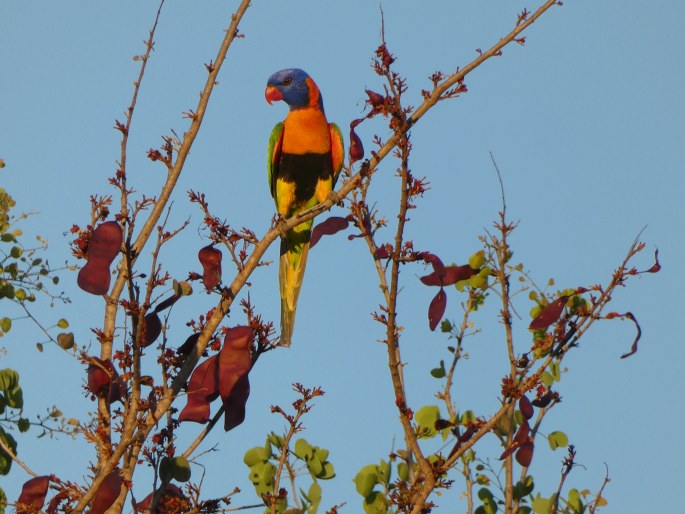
pixel 288 81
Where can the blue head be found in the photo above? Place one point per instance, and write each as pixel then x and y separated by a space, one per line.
pixel 295 88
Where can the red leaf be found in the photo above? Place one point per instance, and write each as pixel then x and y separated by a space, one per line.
pixel 633 348
pixel 522 434
pixel 210 258
pixel 171 492
pixel 328 227
pixel 375 99
pixel 543 401
pixel 152 327
pixel 436 310
pixel 549 315
pixel 107 493
pixel 99 376
pixel 188 345
pixel 356 150
pixel 524 455
pixel 103 247
pixel 656 267
pixel 449 275
pixel 203 388
pixel 526 407
pixel 32 495
pixel 235 361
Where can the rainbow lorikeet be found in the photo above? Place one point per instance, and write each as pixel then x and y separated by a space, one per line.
pixel 304 160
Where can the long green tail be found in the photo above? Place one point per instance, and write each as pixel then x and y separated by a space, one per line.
pixel 294 250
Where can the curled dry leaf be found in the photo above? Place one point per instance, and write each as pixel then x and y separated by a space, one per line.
pixel 203 388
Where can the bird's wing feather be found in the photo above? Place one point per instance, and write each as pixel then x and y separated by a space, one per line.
pixel 273 156
pixel 337 150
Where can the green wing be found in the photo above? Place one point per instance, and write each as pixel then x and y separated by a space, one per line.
pixel 273 156
pixel 337 150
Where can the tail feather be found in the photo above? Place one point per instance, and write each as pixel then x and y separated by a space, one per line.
pixel 294 251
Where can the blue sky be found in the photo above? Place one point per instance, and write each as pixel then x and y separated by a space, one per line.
pixel 586 125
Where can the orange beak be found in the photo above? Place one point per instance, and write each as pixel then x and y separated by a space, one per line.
pixel 272 94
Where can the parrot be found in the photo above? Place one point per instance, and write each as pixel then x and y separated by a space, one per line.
pixel 304 158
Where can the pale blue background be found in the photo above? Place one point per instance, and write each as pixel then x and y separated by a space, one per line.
pixel 586 123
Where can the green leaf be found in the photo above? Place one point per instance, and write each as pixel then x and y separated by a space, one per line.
pixel 445 326
pixel 5 324
pixel 547 379
pixel 179 469
pixel 5 459
pixel 9 379
pixel 366 479
pixel 63 324
pixel 375 503
pixel 303 449
pixel 477 260
pixel 426 418
pixel 164 471
pixel 16 252
pixel 574 502
pixel 439 372
pixel 3 497
pixel 384 472
pixel 403 471
pixel 489 503
pixel 314 495
pixel 263 473
pixel 182 288
pixel 256 455
pixel 541 505
pixel 327 472
pixel 557 440
pixel 555 371
pixel 276 440
pixel 524 487
pixel 23 425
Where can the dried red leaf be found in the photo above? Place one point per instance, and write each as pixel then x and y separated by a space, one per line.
pixel 165 304
pixel 32 495
pixel 656 267
pixel 103 248
pixel 203 388
pixel 171 493
pixel 524 455
pixel 526 407
pixel 356 150
pixel 107 493
pixel 436 310
pixel 549 315
pixel 235 361
pixel 99 376
pixel 382 253
pixel 633 348
pixel 210 258
pixel 449 275
pixel 331 226
pixel 152 327
pixel 375 99
pixel 543 400
pixel 522 434
pixel 188 345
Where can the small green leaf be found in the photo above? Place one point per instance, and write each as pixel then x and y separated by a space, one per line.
pixel 541 505
pixel 179 469
pixel 5 324
pixel 426 418
pixel 256 455
pixel 384 472
pixel 547 379
pixel 557 440
pixel 303 449
pixel 39 347
pixel 314 495
pixel 375 503
pixel 366 479
pixel 23 425
pixel 63 324
pixel 403 471
pixel 574 502
pixel 477 260
pixel 16 252
pixel 445 326
pixel 439 372
pixel 327 472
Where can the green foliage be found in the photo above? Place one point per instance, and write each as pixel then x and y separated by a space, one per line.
pixel 371 475
pixel 5 458
pixel 489 505
pixel 425 418
pixel 263 462
pixel 557 440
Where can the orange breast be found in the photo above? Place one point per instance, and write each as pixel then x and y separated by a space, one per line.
pixel 306 131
